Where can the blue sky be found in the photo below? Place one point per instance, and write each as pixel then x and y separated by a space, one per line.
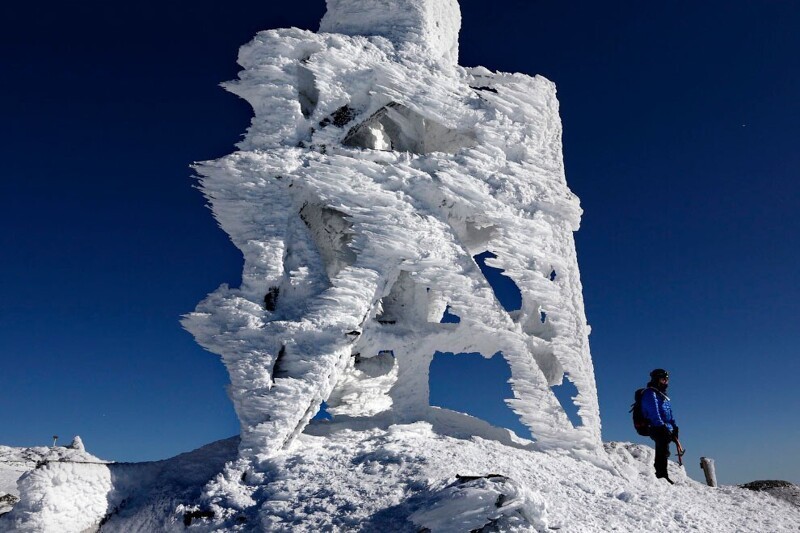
pixel 680 128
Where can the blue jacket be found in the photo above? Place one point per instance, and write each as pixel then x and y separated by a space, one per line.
pixel 657 408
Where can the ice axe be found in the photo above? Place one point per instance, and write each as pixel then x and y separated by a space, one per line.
pixel 681 451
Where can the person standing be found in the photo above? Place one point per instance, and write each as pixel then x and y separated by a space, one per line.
pixel 657 408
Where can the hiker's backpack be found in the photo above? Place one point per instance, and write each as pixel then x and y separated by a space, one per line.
pixel 640 422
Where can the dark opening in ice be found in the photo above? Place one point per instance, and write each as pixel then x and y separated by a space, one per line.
pixel 278 368
pixel 271 298
pixel 469 383
pixel 450 318
pixel 323 413
pixel 505 290
pixel 339 118
pixel 565 394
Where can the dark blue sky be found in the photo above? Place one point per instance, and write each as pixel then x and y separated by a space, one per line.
pixel 681 122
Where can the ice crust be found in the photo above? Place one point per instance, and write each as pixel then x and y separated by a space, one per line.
pixel 373 171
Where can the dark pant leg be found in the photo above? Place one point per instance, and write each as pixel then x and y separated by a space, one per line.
pixel 662 452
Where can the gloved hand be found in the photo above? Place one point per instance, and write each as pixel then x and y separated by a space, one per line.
pixel 674 431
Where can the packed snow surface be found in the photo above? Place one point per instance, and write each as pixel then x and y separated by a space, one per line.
pixel 406 477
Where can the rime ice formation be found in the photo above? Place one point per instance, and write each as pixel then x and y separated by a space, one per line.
pixel 373 172
pixel 427 28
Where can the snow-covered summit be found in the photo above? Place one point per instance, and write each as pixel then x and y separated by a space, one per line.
pixel 400 478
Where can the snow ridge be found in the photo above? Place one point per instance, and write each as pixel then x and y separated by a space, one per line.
pixel 336 477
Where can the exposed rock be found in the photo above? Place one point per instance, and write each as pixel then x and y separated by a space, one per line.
pixel 780 489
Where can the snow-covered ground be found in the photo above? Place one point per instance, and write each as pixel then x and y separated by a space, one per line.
pixel 347 476
pixel 14 462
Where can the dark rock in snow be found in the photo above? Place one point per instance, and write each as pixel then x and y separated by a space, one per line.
pixel 767 484
pixel 340 117
pixel 778 488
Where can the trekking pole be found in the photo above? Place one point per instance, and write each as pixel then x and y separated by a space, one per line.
pixel 681 451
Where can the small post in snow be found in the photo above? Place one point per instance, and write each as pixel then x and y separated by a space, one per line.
pixel 707 464
pixel 55 438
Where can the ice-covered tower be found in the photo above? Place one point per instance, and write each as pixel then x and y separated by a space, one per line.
pixel 373 172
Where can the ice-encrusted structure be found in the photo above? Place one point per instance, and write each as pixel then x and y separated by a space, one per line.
pixel 374 170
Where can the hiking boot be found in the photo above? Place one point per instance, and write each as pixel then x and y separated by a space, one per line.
pixel 665 476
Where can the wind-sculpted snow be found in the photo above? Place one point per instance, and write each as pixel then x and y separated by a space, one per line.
pixel 415 26
pixel 373 172
pixel 452 162
pixel 472 503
